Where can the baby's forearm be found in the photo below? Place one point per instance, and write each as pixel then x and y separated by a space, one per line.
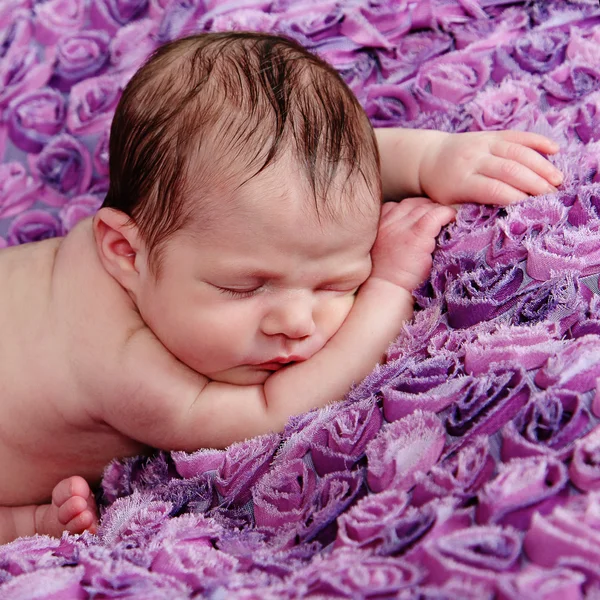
pixel 402 152
pixel 375 320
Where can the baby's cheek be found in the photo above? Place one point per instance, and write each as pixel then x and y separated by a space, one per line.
pixel 334 313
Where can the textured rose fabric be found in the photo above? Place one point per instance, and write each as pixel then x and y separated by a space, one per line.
pixel 467 466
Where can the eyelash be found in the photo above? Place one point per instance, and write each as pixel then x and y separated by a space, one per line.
pixel 238 293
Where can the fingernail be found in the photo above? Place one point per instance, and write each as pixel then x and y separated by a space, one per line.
pixel 557 177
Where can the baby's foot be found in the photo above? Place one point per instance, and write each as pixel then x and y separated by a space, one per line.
pixel 73 509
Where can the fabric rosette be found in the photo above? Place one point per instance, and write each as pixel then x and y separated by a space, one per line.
pixel 110 15
pixel 431 384
pixel 488 404
pixel 107 577
pixel 529 347
pixel 78 56
pixel 199 567
pixel 134 520
pixel 476 554
pixel 18 190
pixel 55 18
pixel 512 105
pixel 354 574
pixel 387 524
pixel 585 209
pixel 339 442
pixel 21 71
pixel 284 496
pixel 390 104
pixel 58 582
pixel 540 51
pixel 521 222
pixel 33 118
pixel 570 82
pixel 584 469
pixel 402 449
pixel 562 300
pixel 482 294
pixel 290 499
pixel 460 475
pixel 65 169
pixel 402 61
pixel 561 250
pixel 132 45
pixel 432 292
pixel 584 118
pixel 452 80
pixel 334 436
pixel 523 486
pixel 550 424
pixel 576 367
pixel 571 532
pixel 78 208
pixel 92 103
pixel 243 464
pixel 541 584
pixel 33 226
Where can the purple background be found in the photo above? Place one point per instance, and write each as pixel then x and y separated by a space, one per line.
pixel 467 466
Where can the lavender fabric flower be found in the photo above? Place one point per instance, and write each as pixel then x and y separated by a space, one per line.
pixel 55 18
pixel 402 449
pixel 550 424
pixel 33 226
pixel 92 104
pixel 570 531
pixel 482 295
pixel 576 367
pixel 34 117
pixel 523 486
pixel 18 190
pixel 528 347
pixel 80 55
pixel 456 79
pixel 542 584
pixel 564 250
pixel 21 71
pixel 460 475
pixel 477 555
pixel 112 14
pixel 584 469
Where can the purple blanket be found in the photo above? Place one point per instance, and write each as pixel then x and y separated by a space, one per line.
pixel 466 467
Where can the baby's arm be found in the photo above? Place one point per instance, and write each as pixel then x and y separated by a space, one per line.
pixel 200 413
pixel 499 167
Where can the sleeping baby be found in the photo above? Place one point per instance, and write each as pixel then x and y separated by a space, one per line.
pixel 242 269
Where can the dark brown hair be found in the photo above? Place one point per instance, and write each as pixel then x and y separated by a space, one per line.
pixel 234 102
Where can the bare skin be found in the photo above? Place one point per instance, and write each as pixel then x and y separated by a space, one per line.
pixel 92 369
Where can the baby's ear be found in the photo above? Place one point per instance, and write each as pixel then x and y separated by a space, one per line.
pixel 119 244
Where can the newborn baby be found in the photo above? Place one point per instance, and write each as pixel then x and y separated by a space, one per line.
pixel 241 270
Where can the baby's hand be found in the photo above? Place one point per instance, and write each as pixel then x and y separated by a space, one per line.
pixel 406 238
pixel 499 167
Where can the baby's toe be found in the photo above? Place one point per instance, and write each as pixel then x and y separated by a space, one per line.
pixel 72 508
pixel 68 488
pixel 85 520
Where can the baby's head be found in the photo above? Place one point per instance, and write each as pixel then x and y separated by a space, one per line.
pixel 226 145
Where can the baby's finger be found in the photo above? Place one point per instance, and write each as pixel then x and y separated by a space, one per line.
pixel 532 140
pixel 516 175
pixel 428 223
pixel 529 158
pixel 493 191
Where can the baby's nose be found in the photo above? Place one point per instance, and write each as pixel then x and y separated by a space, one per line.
pixel 292 317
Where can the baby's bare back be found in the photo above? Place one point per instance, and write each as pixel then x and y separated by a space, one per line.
pixel 63 323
